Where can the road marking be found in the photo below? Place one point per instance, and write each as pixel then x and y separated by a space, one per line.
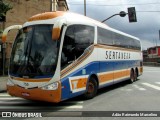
pixel 11 98
pixel 4 95
pixel 152 86
pixel 139 88
pixel 158 82
pixel 21 105
pixel 73 106
pixel 151 71
pixel 78 102
pixel 123 89
pixel 40 107
pixel 7 101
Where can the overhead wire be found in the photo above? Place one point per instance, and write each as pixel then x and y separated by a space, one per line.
pixel 72 3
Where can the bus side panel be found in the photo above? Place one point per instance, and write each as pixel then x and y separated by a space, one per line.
pixel 106 73
pixel 75 83
pixel 120 60
pixel 120 71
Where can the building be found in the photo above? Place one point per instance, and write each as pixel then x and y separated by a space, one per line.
pixel 22 10
pixel 145 55
pixel 154 52
pixel 60 5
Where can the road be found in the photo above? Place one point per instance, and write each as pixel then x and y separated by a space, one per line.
pixel 142 95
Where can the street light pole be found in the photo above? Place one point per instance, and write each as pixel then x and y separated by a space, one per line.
pixel 84 7
pixel 3 51
pixel 109 18
pixel 53 5
pixel 122 14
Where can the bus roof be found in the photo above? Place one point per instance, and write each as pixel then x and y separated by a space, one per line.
pixel 74 18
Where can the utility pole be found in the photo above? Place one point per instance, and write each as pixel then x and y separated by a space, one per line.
pixel 159 34
pixel 4 49
pixel 53 4
pixel 84 7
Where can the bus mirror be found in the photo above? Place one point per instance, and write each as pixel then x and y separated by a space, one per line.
pixel 56 33
pixel 5 32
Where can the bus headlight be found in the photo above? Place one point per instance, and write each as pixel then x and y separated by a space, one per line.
pixel 53 86
pixel 10 83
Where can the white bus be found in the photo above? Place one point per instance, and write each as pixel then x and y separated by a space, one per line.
pixel 60 55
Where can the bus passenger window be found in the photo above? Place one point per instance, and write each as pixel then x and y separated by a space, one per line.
pixel 84 37
pixel 76 40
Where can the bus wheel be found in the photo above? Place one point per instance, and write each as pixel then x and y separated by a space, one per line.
pixel 132 76
pixel 91 89
pixel 135 75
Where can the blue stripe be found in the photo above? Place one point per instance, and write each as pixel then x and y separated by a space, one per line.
pixel 95 67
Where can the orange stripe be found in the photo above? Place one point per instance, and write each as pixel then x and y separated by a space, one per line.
pixel 36 94
pixel 31 80
pixel 115 48
pixel 120 74
pixel 56 33
pixel 141 70
pixel 4 38
pixel 46 15
pixel 114 75
pixel 106 77
pixel 81 83
pixel 128 72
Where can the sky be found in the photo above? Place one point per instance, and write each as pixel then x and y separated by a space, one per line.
pixel 147 11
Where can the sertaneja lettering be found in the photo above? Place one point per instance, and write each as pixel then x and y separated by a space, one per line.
pixel 117 55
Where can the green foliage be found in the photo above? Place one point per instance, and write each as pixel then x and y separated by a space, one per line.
pixel 4 7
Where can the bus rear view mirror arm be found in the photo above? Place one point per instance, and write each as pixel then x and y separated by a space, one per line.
pixel 5 32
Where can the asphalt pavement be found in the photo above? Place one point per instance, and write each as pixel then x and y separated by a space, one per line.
pixel 3 81
pixel 141 97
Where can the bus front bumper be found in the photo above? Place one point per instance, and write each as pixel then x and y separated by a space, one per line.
pixel 36 93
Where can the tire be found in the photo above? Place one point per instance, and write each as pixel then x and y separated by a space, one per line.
pixel 91 90
pixel 135 75
pixel 132 76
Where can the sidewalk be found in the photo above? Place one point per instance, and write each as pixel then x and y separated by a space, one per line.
pixel 3 82
pixel 153 64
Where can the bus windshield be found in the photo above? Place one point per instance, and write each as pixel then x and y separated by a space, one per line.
pixel 34 52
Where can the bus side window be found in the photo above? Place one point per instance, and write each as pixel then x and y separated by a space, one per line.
pixel 68 46
pixel 84 37
pixel 76 40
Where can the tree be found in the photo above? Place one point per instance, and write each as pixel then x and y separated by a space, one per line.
pixel 4 7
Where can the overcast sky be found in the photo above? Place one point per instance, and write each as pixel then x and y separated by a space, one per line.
pixel 148 16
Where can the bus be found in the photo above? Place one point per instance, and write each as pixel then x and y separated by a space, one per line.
pixel 61 55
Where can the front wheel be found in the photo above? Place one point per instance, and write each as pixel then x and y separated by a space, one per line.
pixel 91 89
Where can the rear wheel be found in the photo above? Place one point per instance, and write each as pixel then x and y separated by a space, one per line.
pixel 135 75
pixel 91 89
pixel 132 76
